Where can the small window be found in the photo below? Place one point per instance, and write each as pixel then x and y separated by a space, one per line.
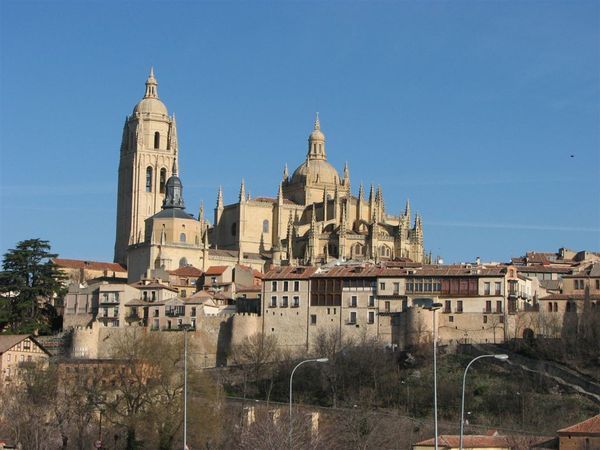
pixel 459 306
pixel 296 302
pixel 153 296
pixel 285 286
pixel 371 301
pixel 274 301
pixel 273 286
pixel 163 180
pixel 284 301
pixel 371 316
pixel 382 286
pixel 387 306
pixel 149 179
pixel 353 300
pixel 296 286
pixel 182 237
pixel 486 288
pixel 313 319
pixel 156 139
pixel 265 226
pixel 233 229
pixel 451 319
pixel 484 319
pixel 498 287
pixel 352 317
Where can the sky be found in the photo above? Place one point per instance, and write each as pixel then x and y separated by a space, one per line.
pixel 485 114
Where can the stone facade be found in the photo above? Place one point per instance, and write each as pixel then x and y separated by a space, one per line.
pixel 315 218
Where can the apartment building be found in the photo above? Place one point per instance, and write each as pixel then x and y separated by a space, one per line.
pixel 575 289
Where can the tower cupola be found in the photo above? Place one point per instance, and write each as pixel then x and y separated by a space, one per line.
pixel 316 142
pixel 173 192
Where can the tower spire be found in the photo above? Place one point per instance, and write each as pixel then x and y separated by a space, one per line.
pixel 317 122
pixel 151 85
pixel 242 191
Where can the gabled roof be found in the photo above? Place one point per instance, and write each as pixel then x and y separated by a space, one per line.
pixel 8 341
pixel 589 426
pixel 90 265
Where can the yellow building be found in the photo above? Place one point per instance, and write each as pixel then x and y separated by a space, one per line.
pixel 314 218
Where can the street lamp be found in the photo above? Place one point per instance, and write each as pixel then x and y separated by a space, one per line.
pixel 185 327
pixel 433 308
pixel 501 357
pixel 319 360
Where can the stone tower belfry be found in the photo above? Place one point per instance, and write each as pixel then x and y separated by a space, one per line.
pixel 148 157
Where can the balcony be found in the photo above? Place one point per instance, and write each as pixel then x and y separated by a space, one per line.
pixel 350 322
pixel 132 317
pixel 174 313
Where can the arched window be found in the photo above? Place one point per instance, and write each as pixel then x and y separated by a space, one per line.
pixel 163 180
pixel 182 237
pixel 358 250
pixel 183 262
pixel 549 306
pixel 265 226
pixel 555 307
pixel 233 229
pixel 157 140
pixel 149 179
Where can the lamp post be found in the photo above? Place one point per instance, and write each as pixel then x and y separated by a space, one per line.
pixel 501 357
pixel 185 328
pixel 433 308
pixel 319 360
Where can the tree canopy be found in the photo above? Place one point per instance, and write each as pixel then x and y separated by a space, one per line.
pixel 29 281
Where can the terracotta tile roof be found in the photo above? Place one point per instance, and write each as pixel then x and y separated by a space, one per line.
pixel 151 285
pixel 480 441
pixel 589 426
pixel 369 271
pixel 90 265
pixel 215 270
pixel 289 272
pixel 581 297
pixel 242 288
pixel 593 270
pixel 186 271
pixel 226 253
pixel 543 269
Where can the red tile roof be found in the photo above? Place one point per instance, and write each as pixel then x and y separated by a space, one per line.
pixel 91 265
pixel 589 426
pixel 186 271
pixel 289 272
pixel 215 270
pixel 543 269
pixel 581 297
pixel 481 441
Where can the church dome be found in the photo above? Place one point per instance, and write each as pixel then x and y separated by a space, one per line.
pixel 150 105
pixel 316 135
pixel 316 171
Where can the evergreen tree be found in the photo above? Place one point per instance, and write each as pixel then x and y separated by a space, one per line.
pixel 28 281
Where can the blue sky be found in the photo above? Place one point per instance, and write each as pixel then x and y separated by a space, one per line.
pixel 470 109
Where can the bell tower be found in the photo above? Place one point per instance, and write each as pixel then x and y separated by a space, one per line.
pixel 147 157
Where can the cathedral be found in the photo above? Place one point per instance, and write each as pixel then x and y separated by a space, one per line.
pixel 314 219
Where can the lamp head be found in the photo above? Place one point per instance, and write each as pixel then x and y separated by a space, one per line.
pixel 322 360
pixel 501 357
